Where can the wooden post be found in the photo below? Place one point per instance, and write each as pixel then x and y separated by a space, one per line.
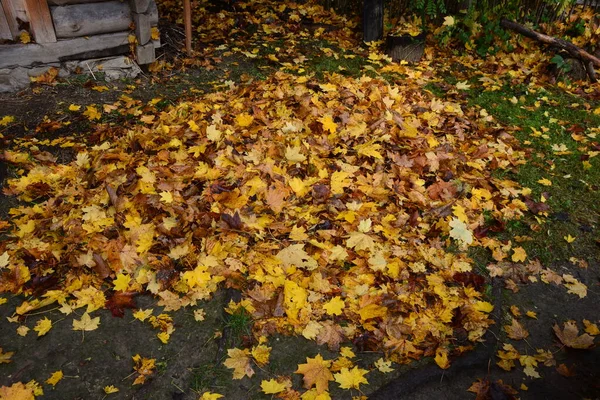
pixel 5 32
pixel 40 21
pixel 372 20
pixel 187 17
pixel 11 13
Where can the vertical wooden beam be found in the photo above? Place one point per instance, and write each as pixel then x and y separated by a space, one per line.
pixel 10 12
pixel 187 17
pixel 40 21
pixel 5 32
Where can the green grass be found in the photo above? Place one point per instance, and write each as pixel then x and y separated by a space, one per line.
pixel 546 120
pixel 237 327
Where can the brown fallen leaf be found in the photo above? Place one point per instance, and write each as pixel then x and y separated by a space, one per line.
pixel 569 336
pixel 516 331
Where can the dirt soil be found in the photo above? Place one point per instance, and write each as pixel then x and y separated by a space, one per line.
pixel 191 362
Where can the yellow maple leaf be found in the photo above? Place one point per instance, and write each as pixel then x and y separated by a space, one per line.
pixel 17 391
pixel 122 282
pixel 334 306
pixel 531 314
pixel 144 367
pixel 239 361
pixel 460 213
pixel 519 255
pixel 100 89
pixel 86 323
pixel 210 396
pixel 55 378
pixel 370 150
pixel 294 154
pixel 529 363
pixel 166 197
pixel 74 107
pixel 360 241
pixel 142 315
pixel 295 298
pixel 110 389
pixel 569 238
pixel 22 330
pixel 199 315
pixel 5 357
pixel 441 358
pixel 7 119
pixel 574 286
pixel 545 182
pixel 351 379
pixel 43 326
pixel 384 366
pixel 154 33
pixel 347 352
pixel 371 311
pixel 272 386
pixel 244 119
pixel 261 354
pixel 4 259
pixel 483 306
pixel 460 231
pixel 24 37
pixel 328 123
pixel 163 337
pixel 296 256
pixel 92 113
pixel 591 328
pixel 339 181
pixel 515 330
pixel 316 372
pixel 311 330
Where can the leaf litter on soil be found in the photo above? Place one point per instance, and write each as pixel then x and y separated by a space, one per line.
pixel 342 208
pixel 328 204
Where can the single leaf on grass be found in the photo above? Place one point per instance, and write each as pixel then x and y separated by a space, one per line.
pixel 569 336
pixel 86 323
pixel 316 372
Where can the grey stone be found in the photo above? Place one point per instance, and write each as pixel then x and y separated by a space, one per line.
pixel 12 80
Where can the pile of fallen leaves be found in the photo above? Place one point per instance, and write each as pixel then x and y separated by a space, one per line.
pixel 341 209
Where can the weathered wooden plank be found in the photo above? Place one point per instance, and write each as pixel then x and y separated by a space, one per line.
pixel 140 6
pixel 95 18
pixel 143 26
pixel 30 54
pixel 5 33
pixel 68 2
pixel 145 54
pixel 14 9
pixel 40 21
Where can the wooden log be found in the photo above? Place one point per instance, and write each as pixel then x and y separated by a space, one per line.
pixel 95 18
pixel 407 48
pixel 24 55
pixel 40 21
pixel 5 32
pixel 372 20
pixel 574 51
pixel 13 10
